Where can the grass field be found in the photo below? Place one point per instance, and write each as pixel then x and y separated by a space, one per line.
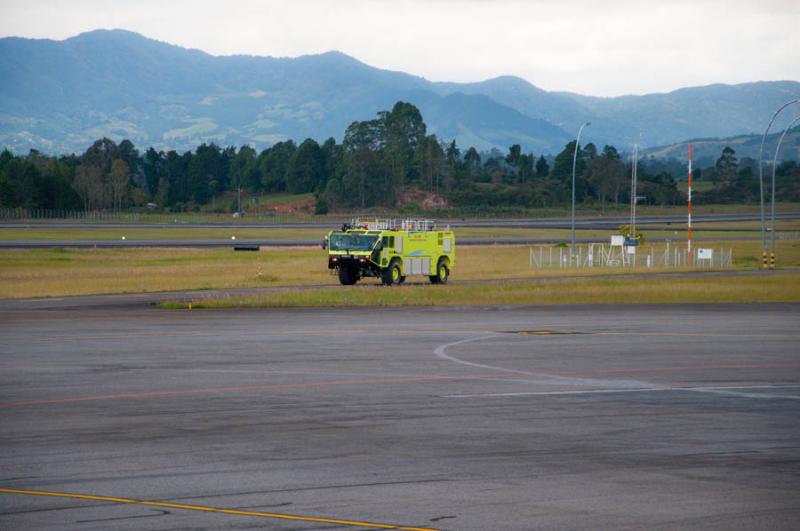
pixel 60 272
pixel 711 289
pixel 63 272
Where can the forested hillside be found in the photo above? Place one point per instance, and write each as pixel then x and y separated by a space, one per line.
pixel 378 160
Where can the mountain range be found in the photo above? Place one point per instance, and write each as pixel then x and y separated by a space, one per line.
pixel 60 96
pixel 707 150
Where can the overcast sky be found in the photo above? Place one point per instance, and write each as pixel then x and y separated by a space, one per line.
pixel 602 47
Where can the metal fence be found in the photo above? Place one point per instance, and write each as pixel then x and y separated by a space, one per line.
pixel 664 256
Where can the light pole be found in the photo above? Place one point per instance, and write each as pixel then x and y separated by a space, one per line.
pixel 634 192
pixel 761 182
pixel 772 214
pixel 574 163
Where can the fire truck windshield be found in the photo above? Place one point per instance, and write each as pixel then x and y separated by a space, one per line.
pixel 352 242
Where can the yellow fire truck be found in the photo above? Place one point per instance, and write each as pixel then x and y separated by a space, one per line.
pixel 391 250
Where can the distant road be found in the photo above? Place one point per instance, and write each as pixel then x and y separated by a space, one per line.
pixel 533 223
pixel 43 244
pixel 595 223
pixel 615 222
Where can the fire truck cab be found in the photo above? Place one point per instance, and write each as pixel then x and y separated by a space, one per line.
pixel 391 250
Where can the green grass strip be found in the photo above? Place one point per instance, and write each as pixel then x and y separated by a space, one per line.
pixel 712 289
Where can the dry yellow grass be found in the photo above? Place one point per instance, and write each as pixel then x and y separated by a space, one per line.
pixel 43 273
pixel 59 272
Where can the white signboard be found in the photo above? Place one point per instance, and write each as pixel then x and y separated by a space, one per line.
pixel 617 240
pixel 705 254
pixel 631 250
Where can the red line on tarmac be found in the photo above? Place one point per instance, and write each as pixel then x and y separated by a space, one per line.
pixel 405 379
pixel 239 389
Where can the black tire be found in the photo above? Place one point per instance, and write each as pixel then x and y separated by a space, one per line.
pixel 347 275
pixel 442 273
pixel 391 275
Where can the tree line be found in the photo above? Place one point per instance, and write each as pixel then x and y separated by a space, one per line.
pixel 377 160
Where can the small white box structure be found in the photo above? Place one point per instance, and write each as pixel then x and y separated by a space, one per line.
pixel 630 249
pixel 616 254
pixel 705 254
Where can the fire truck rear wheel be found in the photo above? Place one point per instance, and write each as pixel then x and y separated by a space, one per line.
pixel 442 272
pixel 347 275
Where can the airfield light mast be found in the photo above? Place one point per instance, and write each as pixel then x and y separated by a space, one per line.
pixel 689 219
pixel 772 208
pixel 634 199
pixel 574 163
pixel 761 182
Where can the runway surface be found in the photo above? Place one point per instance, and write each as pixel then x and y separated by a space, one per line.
pixel 194 243
pixel 582 222
pixel 498 418
pixel 588 223
pixel 252 242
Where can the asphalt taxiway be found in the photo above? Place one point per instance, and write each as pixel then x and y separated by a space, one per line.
pixel 125 416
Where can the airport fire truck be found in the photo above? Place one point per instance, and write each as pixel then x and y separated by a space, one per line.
pixel 391 250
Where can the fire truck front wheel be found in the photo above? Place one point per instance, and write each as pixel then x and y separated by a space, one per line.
pixel 391 275
pixel 347 275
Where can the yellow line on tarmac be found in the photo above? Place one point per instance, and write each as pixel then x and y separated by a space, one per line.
pixel 215 510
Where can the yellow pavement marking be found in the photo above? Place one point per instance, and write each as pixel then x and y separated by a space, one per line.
pixel 215 510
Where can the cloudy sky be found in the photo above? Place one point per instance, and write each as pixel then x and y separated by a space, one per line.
pixel 602 47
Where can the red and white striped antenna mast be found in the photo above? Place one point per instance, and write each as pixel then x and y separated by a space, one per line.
pixel 689 220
